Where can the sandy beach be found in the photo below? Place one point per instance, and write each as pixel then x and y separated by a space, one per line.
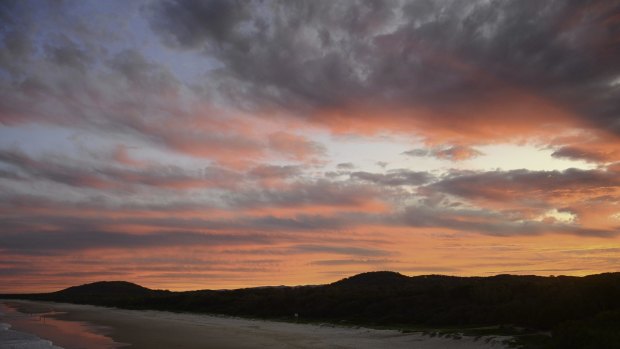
pixel 157 329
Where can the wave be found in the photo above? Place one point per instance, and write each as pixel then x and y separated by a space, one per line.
pixel 11 339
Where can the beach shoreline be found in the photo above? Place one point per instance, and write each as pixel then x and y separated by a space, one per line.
pixel 33 324
pixel 12 339
pixel 147 329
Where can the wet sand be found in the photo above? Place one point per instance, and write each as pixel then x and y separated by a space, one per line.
pixel 12 339
pixel 157 329
pixel 43 321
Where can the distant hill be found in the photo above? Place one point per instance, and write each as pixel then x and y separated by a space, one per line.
pixel 114 293
pixel 582 312
pixel 106 288
pixel 375 278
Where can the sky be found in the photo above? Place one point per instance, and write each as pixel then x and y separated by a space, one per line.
pixel 225 144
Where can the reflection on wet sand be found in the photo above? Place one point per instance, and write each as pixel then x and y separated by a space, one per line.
pixel 45 324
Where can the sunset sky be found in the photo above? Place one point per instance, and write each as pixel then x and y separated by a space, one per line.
pixel 224 144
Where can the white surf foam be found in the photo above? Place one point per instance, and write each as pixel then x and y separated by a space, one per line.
pixel 11 339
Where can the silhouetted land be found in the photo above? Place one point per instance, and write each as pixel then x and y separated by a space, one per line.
pixel 580 312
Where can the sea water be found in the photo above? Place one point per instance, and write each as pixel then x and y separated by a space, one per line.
pixel 42 331
pixel 11 339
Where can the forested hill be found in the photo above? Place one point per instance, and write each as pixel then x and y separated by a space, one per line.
pixel 579 310
pixel 119 288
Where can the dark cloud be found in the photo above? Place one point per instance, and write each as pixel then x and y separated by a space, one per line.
pixel 76 177
pixel 490 223
pixel 69 54
pixel 394 177
pixel 103 175
pixel 192 24
pixel 8 174
pixel 342 250
pixel 311 56
pixel 248 86
pixel 525 184
pixel 141 73
pixel 345 166
pixel 89 274
pixel 581 153
pixel 275 171
pixel 333 262
pixel 54 73
pixel 307 194
pixel 61 242
pixel 453 153
pixel 75 174
pixel 301 197
pixel 77 82
pixel 262 186
pixel 18 271
pixel 298 223
pixel 521 202
pixel 417 152
pixel 444 55
pixel 15 44
pixel 266 223
pixel 17 202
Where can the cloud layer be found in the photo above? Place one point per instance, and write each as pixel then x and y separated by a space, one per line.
pixel 187 144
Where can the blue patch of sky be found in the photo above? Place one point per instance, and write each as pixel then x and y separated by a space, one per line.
pixel 44 140
pixel 114 26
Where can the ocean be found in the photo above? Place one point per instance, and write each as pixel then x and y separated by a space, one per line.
pixel 43 330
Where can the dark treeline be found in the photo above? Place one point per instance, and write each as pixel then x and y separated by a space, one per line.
pixel 581 312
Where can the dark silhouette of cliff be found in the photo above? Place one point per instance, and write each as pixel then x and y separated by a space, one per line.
pixel 582 312
pixel 104 288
